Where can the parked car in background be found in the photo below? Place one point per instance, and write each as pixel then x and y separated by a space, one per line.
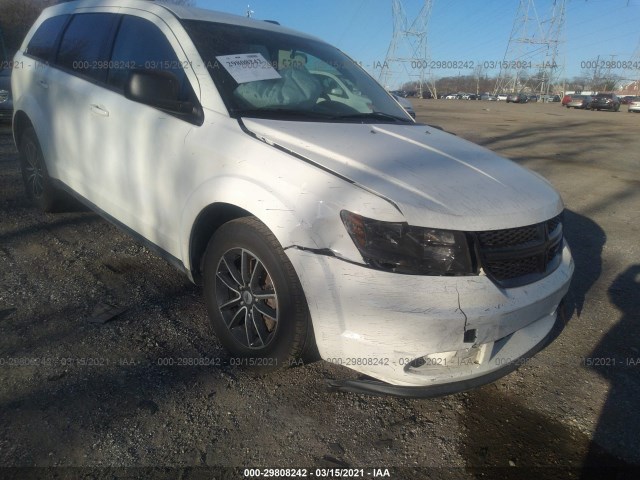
pixel 566 99
pixel 580 101
pixel 315 227
pixel 533 98
pixel 489 97
pixel 517 98
pixel 605 101
pixel 6 100
pixel 627 99
pixel 634 105
pixel 406 104
pixel 502 97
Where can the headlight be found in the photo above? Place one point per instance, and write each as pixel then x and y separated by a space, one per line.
pixel 401 248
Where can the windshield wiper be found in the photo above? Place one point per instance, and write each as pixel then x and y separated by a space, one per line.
pixel 279 113
pixel 372 116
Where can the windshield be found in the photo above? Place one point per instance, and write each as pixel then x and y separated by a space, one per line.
pixel 262 73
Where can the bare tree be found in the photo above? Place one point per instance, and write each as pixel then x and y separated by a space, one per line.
pixel 578 84
pixel 479 74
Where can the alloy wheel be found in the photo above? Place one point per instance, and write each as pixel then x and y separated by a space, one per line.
pixel 34 170
pixel 246 298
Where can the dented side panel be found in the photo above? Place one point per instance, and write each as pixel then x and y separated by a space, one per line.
pixel 299 202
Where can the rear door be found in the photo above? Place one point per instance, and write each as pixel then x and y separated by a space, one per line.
pixel 75 86
pixel 35 82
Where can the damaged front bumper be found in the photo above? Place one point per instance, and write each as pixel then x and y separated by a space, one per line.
pixel 426 336
pixel 508 365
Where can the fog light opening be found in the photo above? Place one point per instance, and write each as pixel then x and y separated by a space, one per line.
pixel 417 362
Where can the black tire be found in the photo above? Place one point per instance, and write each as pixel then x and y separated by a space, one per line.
pixel 35 177
pixel 270 332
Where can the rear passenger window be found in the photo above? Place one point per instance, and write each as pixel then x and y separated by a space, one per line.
pixel 44 40
pixel 85 44
pixel 140 45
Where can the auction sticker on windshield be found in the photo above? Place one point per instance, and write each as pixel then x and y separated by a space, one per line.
pixel 248 67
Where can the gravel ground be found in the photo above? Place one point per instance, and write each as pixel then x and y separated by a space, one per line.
pixel 84 399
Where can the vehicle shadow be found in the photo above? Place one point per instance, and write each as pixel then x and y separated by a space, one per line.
pixel 586 240
pixel 507 438
pixel 617 359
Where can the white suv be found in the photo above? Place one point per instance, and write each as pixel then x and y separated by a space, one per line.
pixel 385 245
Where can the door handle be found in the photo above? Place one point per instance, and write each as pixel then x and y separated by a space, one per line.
pixel 98 110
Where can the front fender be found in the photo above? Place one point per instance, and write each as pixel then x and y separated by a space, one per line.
pixel 300 202
pixel 301 218
pixel 279 214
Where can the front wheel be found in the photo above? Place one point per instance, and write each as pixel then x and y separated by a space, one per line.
pixel 254 298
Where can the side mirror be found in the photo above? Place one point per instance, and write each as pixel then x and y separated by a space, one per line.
pixel 156 89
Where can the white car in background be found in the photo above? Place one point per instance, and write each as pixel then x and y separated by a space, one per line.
pixel 634 105
pixel 315 225
pixel 502 97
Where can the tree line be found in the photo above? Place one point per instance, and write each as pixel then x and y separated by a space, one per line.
pixel 479 84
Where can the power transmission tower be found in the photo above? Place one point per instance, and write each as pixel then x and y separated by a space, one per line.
pixel 533 46
pixel 554 68
pixel 407 56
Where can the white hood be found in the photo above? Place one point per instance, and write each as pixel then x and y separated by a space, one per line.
pixel 436 179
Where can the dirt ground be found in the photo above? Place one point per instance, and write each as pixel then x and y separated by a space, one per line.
pixel 82 396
